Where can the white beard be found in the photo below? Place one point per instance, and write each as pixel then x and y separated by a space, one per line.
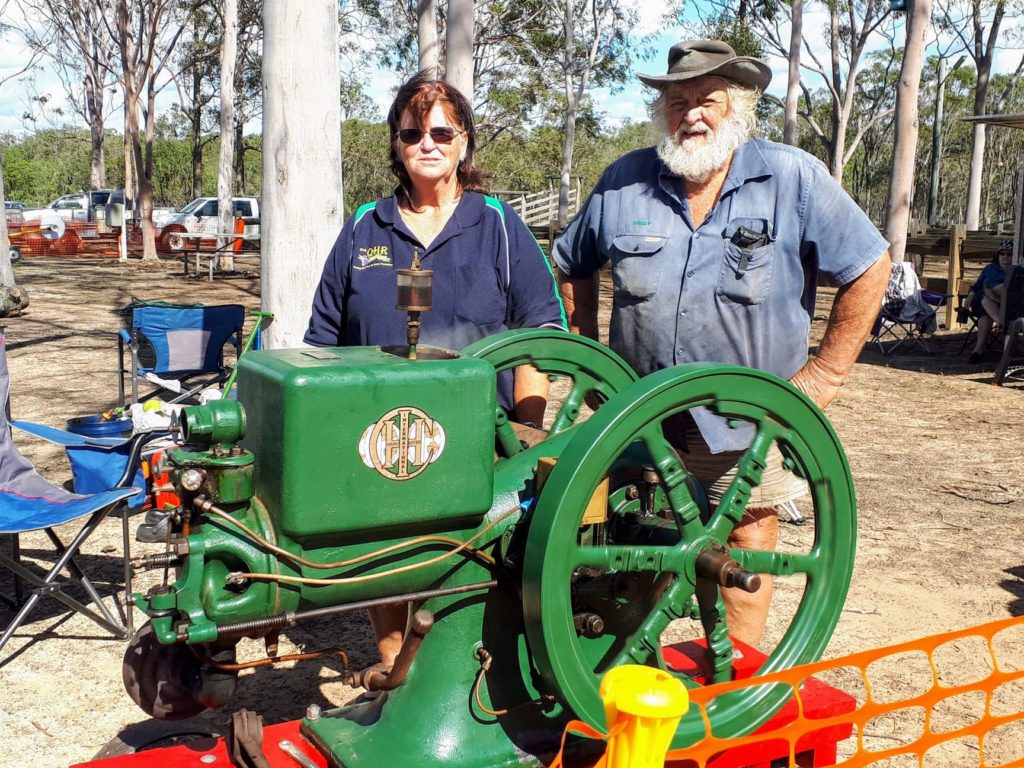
pixel 697 160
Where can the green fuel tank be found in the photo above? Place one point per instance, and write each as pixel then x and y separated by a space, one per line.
pixel 354 439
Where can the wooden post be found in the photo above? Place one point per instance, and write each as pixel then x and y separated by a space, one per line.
pixel 957 235
pixel 1018 218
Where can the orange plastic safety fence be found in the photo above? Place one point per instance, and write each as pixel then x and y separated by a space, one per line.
pixel 953 700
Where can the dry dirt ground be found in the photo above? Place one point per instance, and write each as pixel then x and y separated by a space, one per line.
pixel 936 454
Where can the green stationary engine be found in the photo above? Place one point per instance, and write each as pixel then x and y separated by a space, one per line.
pixel 353 477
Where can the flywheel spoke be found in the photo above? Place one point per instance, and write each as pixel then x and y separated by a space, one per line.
pixel 749 471
pixel 570 410
pixel 644 644
pixel 777 563
pixel 674 476
pixel 627 558
pixel 712 619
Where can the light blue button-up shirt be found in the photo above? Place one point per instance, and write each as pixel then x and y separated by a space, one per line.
pixel 685 294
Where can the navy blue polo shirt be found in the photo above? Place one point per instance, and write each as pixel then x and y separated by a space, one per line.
pixel 684 293
pixel 489 275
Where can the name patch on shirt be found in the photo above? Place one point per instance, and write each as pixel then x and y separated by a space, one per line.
pixel 374 256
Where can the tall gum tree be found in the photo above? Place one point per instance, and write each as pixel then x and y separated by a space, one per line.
pixel 76 36
pixel 851 28
pixel 225 168
pixel 578 45
pixel 302 186
pixel 146 33
pixel 901 180
pixel 976 24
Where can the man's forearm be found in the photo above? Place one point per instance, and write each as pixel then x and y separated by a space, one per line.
pixel 854 311
pixel 580 297
pixel 530 394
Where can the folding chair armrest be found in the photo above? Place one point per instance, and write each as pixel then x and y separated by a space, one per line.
pixel 138 442
pixel 125 336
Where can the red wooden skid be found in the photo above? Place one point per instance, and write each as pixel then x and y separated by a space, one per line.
pixel 815 750
pixel 213 753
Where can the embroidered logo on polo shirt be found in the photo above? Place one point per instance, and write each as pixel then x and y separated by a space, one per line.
pixel 641 223
pixel 374 256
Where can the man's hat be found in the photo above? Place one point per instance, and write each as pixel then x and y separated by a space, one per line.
pixel 696 58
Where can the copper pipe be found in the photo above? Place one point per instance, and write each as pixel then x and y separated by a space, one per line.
pixel 270 660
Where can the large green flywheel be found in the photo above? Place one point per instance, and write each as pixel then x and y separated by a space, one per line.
pixel 600 595
pixel 591 368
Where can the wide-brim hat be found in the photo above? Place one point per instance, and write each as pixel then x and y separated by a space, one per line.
pixel 697 58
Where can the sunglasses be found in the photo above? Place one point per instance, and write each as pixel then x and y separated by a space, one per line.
pixel 440 135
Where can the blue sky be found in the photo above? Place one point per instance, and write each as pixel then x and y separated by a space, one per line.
pixel 628 103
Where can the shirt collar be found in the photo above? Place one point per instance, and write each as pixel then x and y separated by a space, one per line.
pixel 748 164
pixel 468 212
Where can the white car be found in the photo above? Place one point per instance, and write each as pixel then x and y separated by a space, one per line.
pixel 80 206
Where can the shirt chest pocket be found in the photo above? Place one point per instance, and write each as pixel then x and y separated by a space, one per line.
pixel 636 265
pixel 749 261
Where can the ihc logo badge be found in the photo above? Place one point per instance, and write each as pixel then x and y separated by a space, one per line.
pixel 402 443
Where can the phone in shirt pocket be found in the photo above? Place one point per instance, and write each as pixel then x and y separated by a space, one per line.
pixel 748 262
pixel 635 271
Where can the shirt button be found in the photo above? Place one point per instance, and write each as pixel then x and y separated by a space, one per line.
pixel 682 312
pixel 696 235
pixel 689 273
pixel 679 352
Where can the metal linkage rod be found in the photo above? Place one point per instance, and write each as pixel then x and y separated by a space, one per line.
pixel 290 619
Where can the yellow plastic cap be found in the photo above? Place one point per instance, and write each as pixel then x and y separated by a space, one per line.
pixel 642 691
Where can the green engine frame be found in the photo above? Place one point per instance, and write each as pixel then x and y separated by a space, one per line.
pixel 355 476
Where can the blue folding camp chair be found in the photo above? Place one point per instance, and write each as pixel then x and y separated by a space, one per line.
pixel 179 349
pixel 28 502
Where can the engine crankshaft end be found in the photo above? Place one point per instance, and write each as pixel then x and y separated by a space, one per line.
pixel 714 563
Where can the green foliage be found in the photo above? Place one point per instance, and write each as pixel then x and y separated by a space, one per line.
pixel 46 165
pixel 365 167
pixel 41 167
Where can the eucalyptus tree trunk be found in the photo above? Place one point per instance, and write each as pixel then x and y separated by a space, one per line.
pixel 595 14
pixel 571 103
pixel 196 118
pixel 901 180
pixel 426 16
pixel 796 39
pixel 983 53
pixel 228 58
pixel 978 138
pixel 302 187
pixel 459 46
pixel 840 113
pixel 936 164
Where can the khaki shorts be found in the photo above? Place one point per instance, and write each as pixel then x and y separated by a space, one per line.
pixel 716 470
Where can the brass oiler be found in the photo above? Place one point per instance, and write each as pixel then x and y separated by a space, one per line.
pixel 415 287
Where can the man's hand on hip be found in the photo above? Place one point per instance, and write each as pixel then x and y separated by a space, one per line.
pixel 819 384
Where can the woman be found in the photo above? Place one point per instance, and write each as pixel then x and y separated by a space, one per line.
pixel 985 298
pixel 489 272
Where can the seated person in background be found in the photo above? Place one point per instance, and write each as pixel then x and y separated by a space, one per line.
pixel 986 295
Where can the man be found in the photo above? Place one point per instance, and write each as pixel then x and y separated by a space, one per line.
pixel 716 241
